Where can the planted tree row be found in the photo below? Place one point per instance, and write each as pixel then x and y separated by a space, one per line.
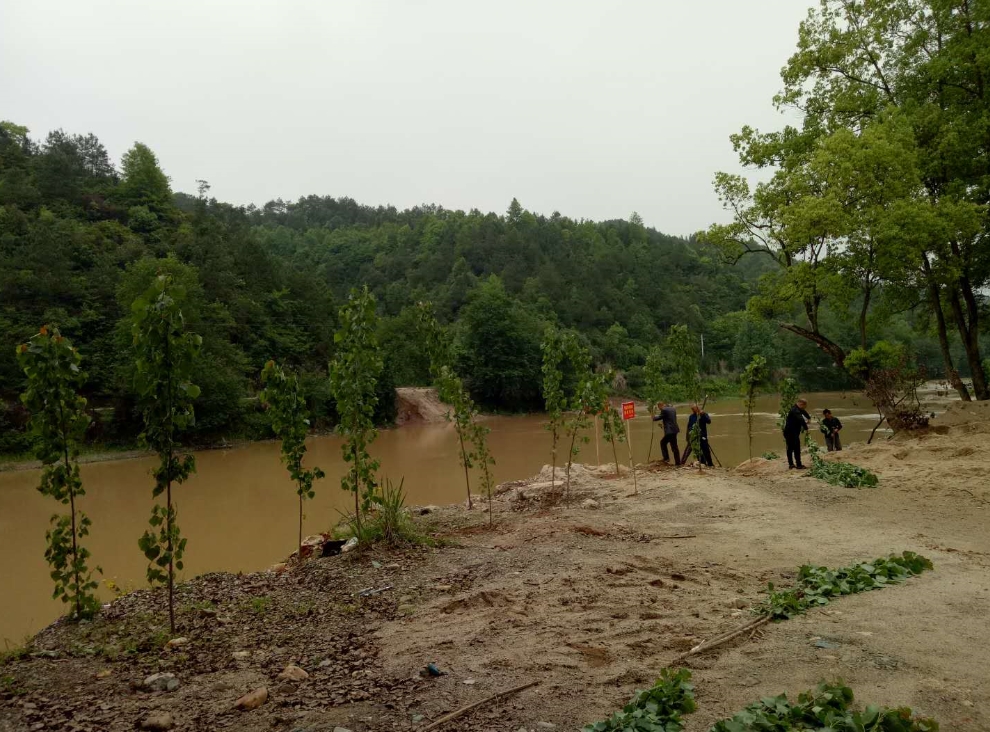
pixel 164 354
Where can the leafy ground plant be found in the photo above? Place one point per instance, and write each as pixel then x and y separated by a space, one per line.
pixel 818 585
pixel 662 708
pixel 838 473
pixel 771 455
pixel 825 708
pixel 658 709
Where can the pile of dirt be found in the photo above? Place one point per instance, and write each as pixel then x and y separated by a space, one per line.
pixel 419 405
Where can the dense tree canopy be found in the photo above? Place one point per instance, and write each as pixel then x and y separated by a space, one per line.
pixel 81 238
pixel 878 200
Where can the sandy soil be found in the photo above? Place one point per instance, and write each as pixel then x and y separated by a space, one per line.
pixel 418 405
pixel 591 601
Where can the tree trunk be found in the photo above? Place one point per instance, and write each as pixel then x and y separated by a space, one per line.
pixel 553 462
pixel 300 524
pixel 935 301
pixel 357 490
pixel 171 556
pixel 970 341
pixel 464 462
pixel 862 318
pixel 615 455
pixel 570 459
pixel 834 350
pixel 653 431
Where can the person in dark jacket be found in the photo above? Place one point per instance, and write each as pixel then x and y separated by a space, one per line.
pixel 830 428
pixel 668 416
pixel 701 418
pixel 795 424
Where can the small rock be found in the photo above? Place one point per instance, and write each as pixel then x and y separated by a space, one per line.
pixel 158 722
pixel 406 599
pixel 393 566
pixel 376 564
pixel 469 682
pixel 589 503
pixel 286 688
pixel 326 662
pixel 341 729
pixel 176 643
pixel 241 655
pixel 967 703
pixel 103 674
pixel 417 718
pixel 443 588
pixel 161 682
pixel 740 603
pixel 252 700
pixel 423 511
pixel 293 673
pixel 546 725
pixel 406 609
pixel 278 568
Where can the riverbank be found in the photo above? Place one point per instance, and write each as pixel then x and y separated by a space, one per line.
pixel 591 599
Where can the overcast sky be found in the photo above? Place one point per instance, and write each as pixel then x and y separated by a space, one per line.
pixel 594 109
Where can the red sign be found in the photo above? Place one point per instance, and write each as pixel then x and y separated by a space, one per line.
pixel 628 410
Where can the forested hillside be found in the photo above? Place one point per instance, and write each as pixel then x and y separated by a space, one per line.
pixel 81 238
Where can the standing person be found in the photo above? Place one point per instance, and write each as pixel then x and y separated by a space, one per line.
pixel 795 424
pixel 830 427
pixel 668 416
pixel 702 419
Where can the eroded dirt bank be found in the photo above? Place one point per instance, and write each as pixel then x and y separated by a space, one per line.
pixel 590 599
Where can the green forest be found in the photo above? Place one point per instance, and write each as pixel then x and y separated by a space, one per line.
pixel 870 228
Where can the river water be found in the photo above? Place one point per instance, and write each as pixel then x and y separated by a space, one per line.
pixel 239 510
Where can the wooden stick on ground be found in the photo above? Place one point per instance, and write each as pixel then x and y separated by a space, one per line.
pixel 471 707
pixel 722 639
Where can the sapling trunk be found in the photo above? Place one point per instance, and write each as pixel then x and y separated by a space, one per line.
pixel 615 455
pixel 357 490
pixel 72 511
pixel 570 459
pixel 168 495
pixel 171 560
pixel 553 462
pixel 653 431
pixel 464 462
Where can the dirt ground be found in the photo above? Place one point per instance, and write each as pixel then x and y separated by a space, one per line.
pixel 589 599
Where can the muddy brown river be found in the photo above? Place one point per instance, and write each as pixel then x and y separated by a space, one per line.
pixel 239 510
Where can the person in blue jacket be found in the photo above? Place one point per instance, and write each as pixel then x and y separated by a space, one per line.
pixel 703 419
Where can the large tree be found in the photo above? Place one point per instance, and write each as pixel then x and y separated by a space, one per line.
pixel 887 179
